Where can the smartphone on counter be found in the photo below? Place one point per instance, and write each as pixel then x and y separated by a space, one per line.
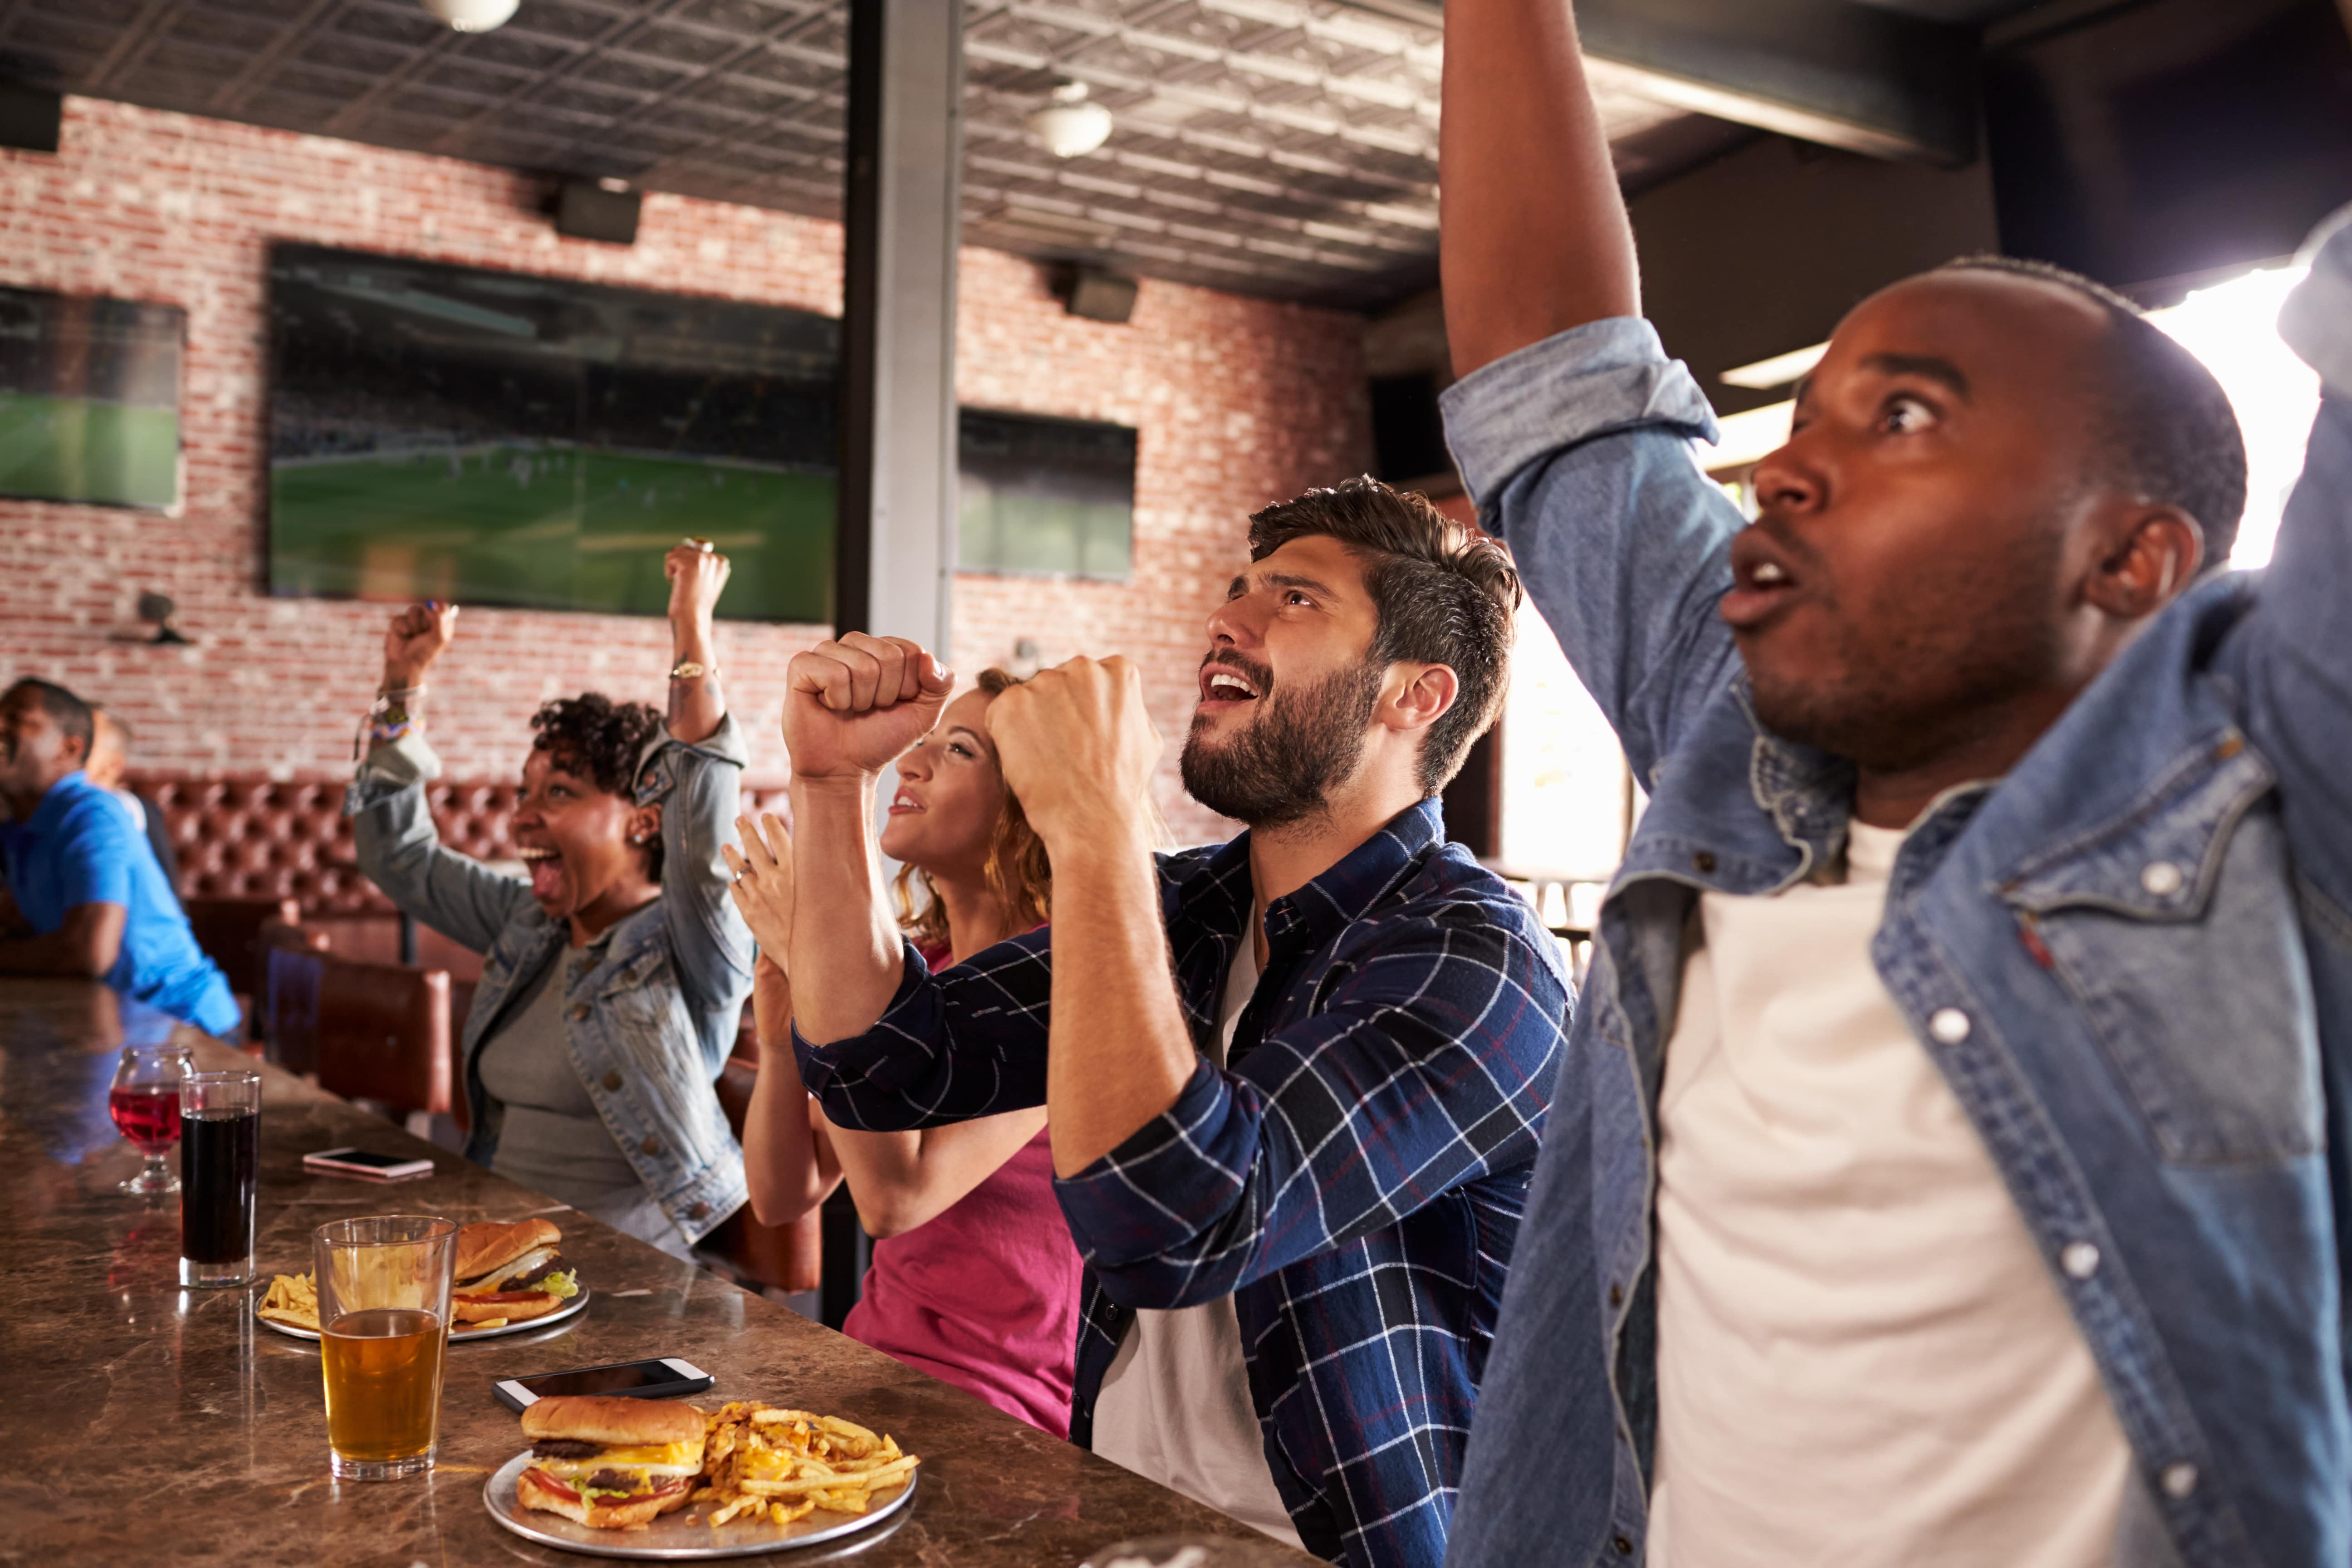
pixel 667 1378
pixel 366 1166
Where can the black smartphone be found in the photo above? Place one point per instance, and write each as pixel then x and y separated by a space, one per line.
pixel 666 1378
pixel 366 1165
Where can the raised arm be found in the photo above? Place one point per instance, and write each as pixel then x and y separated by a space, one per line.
pixel 2296 662
pixel 851 706
pixel 697 783
pixel 395 840
pixel 1569 425
pixel 1533 237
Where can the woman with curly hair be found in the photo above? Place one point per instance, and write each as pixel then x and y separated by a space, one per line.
pixel 614 968
pixel 974 1278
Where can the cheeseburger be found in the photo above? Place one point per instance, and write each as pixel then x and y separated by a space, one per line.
pixel 610 1463
pixel 511 1271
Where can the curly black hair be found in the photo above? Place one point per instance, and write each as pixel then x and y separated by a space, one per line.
pixel 600 739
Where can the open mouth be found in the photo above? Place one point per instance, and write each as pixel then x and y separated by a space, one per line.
pixel 1762 583
pixel 903 803
pixel 545 867
pixel 1222 687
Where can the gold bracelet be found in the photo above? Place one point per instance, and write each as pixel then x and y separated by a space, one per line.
pixel 691 670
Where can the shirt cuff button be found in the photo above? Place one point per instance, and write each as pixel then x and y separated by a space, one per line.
pixel 2080 1260
pixel 1950 1026
pixel 2179 1480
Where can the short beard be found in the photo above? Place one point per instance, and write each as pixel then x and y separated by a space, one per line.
pixel 1281 768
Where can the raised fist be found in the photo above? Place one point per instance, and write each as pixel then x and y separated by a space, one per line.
pixel 1077 747
pixel 852 705
pixel 695 576
pixel 416 638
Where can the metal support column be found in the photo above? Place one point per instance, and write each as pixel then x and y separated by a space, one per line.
pixel 895 555
pixel 895 565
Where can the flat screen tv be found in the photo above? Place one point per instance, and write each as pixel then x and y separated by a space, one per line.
pixel 442 432
pixel 89 399
pixel 1044 497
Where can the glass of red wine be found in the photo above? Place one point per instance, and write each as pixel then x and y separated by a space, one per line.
pixel 144 1101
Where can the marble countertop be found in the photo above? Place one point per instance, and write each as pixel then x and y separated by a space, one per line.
pixel 144 1422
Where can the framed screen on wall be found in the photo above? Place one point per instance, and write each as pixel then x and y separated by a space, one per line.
pixel 1044 497
pixel 89 399
pixel 488 438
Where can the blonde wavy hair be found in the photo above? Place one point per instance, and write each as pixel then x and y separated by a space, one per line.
pixel 1017 871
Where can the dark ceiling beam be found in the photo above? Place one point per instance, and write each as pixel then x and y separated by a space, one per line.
pixel 1830 71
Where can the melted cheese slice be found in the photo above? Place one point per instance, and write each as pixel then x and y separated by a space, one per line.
pixel 654 1459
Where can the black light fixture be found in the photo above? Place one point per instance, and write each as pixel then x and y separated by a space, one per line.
pixel 158 611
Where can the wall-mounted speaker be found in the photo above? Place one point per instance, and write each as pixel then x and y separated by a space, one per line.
pixel 584 209
pixel 30 118
pixel 1095 294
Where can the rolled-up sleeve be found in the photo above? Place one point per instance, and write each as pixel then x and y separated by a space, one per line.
pixel 967 1042
pixel 1578 452
pixel 399 849
pixel 1430 1065
pixel 699 789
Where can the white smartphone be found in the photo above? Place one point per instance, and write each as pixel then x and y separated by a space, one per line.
pixel 666 1378
pixel 366 1166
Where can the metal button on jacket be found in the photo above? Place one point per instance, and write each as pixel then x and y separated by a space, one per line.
pixel 577 1011
pixel 613 1082
pixel 697 1210
pixel 2161 878
pixel 652 1145
pixel 2080 1260
pixel 1949 1024
pixel 2179 1480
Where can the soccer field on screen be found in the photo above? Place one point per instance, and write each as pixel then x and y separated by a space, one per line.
pixel 84 449
pixel 549 527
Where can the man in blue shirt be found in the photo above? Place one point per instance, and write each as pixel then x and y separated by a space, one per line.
pixel 84 894
pixel 2004 1223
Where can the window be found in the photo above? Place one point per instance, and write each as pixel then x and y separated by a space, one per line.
pixel 1046 497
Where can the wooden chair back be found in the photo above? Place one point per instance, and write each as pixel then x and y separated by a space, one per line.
pixel 786 1257
pixel 384 1035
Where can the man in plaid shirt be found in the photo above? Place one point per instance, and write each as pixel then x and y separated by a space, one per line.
pixel 1294 1083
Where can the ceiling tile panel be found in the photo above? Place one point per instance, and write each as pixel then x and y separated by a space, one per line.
pixel 1284 147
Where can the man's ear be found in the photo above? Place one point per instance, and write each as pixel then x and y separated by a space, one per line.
pixel 645 825
pixel 2161 552
pixel 1418 695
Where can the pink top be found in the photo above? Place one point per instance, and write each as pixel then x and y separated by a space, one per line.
pixel 985 1294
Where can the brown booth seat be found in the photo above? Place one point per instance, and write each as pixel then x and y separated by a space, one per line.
pixel 247 843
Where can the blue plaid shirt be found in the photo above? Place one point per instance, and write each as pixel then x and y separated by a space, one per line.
pixel 1353 1178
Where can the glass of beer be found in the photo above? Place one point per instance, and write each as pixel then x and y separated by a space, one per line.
pixel 384 1318
pixel 220 1167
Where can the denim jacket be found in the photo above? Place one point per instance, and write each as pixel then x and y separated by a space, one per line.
pixel 652 1025
pixel 2131 958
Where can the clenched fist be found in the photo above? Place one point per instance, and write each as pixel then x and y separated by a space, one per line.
pixel 852 704
pixel 695 576
pixel 417 637
pixel 1077 749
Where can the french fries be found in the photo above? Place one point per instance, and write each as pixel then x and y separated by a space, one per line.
pixel 761 1462
pixel 291 1298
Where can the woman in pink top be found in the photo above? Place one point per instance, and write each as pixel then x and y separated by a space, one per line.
pixel 974 1278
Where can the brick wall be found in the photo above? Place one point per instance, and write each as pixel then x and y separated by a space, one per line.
pixel 1237 402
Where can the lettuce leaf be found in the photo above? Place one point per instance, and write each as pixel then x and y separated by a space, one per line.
pixel 562 1282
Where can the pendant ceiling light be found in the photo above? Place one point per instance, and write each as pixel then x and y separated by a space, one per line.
pixel 1072 124
pixel 471 16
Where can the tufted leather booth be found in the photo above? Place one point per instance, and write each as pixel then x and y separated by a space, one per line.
pixel 246 835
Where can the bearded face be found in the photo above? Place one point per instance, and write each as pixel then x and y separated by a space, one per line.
pixel 1297 742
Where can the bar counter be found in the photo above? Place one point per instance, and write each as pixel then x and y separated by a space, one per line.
pixel 144 1422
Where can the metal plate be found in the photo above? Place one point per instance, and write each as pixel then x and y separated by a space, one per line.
pixel 571 1308
pixel 677 1536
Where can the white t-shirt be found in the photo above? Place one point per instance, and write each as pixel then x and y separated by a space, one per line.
pixel 1175 1406
pixel 1862 1358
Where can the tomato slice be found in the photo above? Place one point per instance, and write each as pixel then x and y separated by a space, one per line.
pixel 551 1484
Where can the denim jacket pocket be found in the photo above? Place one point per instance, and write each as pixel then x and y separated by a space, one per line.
pixel 2175 931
